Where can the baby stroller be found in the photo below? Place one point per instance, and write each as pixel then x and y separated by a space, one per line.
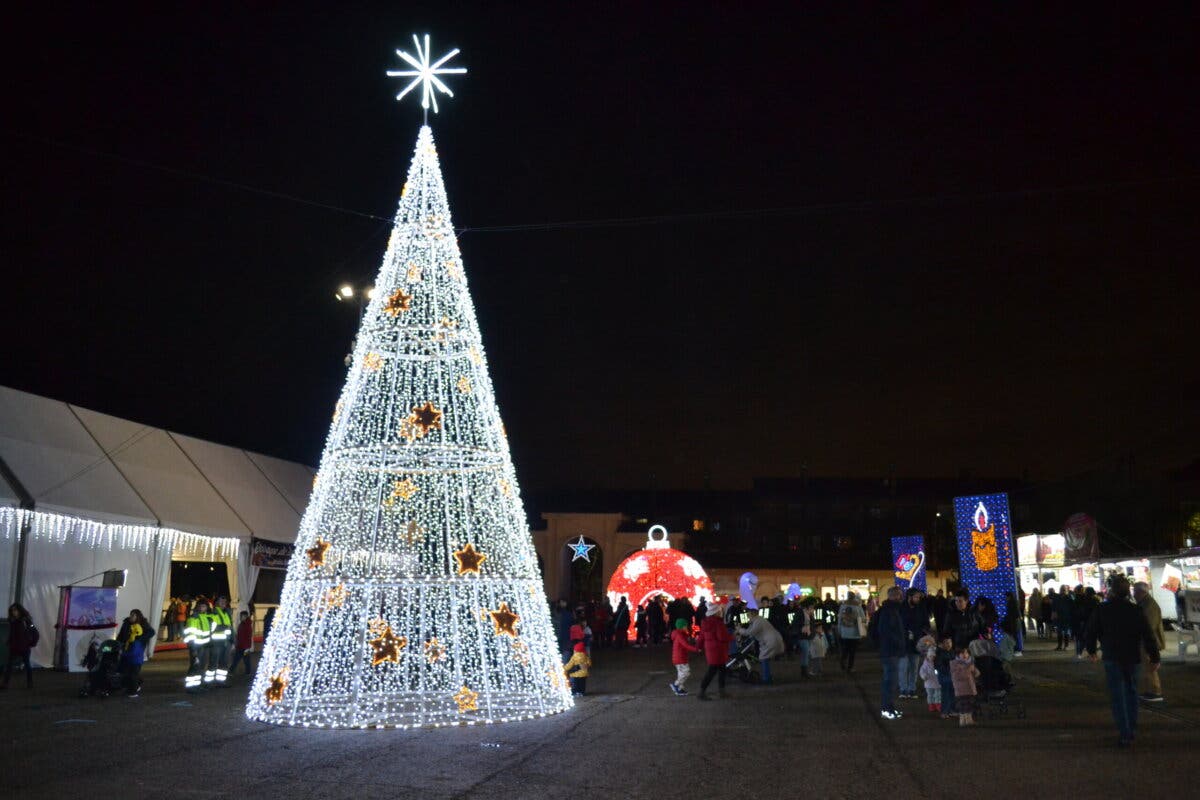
pixel 744 661
pixel 103 663
pixel 996 689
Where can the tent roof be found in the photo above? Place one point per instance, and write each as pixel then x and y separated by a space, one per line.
pixel 94 465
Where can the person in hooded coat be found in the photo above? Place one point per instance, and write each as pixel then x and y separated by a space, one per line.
pixel 714 639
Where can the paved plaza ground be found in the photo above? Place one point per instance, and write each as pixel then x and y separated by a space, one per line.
pixel 630 738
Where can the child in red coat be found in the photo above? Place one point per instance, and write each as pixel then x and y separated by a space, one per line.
pixel 681 648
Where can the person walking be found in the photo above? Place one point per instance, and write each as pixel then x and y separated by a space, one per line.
pixel 915 615
pixel 198 635
pixel 1033 610
pixel 681 648
pixel 1061 613
pixel 714 639
pixel 135 636
pixel 850 626
pixel 1151 681
pixel 1119 627
pixel 22 638
pixel 243 644
pixel 893 645
pixel 1085 603
pixel 621 623
pixel 222 639
pixel 800 635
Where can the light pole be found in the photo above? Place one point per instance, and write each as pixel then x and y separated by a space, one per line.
pixel 347 294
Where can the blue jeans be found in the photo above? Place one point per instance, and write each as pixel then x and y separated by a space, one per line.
pixel 889 684
pixel 1122 691
pixel 908 673
pixel 947 691
pixel 766 670
pixel 803 646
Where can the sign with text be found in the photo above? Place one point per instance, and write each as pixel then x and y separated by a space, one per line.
pixel 266 554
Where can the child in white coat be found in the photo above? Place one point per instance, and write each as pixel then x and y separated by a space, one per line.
pixel 933 684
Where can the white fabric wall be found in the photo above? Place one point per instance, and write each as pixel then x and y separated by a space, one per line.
pixel 62 550
pixel 247 577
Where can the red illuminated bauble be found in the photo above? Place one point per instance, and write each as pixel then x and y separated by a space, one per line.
pixel 658 569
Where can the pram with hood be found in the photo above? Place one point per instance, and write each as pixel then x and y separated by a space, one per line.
pixel 996 686
pixel 103 662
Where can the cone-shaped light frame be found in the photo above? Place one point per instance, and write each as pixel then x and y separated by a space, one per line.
pixel 414 596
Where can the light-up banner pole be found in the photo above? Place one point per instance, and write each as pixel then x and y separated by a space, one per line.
pixel 985 549
pixel 908 560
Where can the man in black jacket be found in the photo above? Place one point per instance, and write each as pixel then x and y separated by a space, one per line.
pixel 1122 631
pixel 963 624
pixel 890 633
pixel 915 614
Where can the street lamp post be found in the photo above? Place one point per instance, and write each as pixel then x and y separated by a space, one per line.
pixel 346 293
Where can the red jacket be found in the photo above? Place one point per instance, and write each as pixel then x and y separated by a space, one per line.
pixel 715 639
pixel 245 635
pixel 681 647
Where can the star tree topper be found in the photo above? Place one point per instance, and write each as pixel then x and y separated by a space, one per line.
pixel 425 74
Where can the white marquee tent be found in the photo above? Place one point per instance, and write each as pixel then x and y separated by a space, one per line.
pixel 89 492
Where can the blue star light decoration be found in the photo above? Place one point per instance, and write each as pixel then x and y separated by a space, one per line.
pixel 582 550
pixel 425 74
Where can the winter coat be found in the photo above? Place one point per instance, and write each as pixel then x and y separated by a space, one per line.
pixel 1121 629
pixel 849 611
pixel 1153 614
pixel 962 626
pixel 1034 605
pixel 20 639
pixel 245 635
pixel 621 619
pixel 916 620
pixel 714 638
pixel 778 617
pixel 681 648
pixel 892 634
pixel 929 674
pixel 963 675
pixel 577 666
pixel 770 643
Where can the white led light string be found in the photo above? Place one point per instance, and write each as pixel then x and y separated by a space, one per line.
pixel 426 555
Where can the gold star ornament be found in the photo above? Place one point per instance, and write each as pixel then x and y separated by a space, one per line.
pixel 466 699
pixel 386 646
pixel 469 559
pixel 372 361
pixel 505 620
pixel 402 490
pixel 334 597
pixel 278 685
pixel 413 534
pixel 397 303
pixel 463 384
pixel 316 554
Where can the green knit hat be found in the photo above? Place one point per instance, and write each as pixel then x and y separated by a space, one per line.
pixel 680 624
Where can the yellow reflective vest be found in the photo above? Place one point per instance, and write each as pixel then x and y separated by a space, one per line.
pixel 222 625
pixel 198 629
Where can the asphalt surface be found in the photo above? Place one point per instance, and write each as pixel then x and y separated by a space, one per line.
pixel 630 738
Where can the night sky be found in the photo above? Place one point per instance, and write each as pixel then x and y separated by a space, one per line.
pixel 981 249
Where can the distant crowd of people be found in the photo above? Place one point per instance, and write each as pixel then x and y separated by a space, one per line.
pixel 954 647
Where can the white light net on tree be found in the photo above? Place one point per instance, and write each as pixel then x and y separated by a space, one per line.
pixel 414 596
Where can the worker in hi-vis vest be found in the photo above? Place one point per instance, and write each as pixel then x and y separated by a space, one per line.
pixel 222 639
pixel 197 635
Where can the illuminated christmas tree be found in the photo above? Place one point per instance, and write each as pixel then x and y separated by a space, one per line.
pixel 414 596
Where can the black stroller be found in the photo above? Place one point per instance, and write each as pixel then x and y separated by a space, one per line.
pixel 743 664
pixel 103 662
pixel 996 689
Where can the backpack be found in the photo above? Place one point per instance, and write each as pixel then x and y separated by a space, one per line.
pixel 847 618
